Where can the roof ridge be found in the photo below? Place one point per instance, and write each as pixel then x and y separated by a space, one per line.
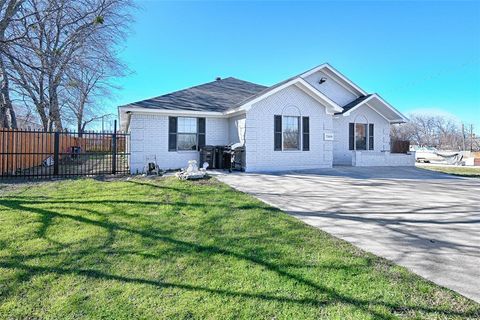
pixel 194 87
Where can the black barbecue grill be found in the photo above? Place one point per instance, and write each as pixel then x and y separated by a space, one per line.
pixel 234 157
pixel 231 157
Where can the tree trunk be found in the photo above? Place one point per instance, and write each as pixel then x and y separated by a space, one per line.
pixel 7 114
pixel 43 116
pixel 55 117
pixel 80 125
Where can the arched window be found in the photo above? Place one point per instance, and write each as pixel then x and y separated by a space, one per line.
pixel 361 134
pixel 289 128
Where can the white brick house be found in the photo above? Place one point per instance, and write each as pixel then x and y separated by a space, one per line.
pixel 314 120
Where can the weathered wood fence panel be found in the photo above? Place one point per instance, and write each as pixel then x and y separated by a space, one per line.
pixel 88 153
pixel 400 146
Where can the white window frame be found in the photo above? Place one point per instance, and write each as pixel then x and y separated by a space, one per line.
pixel 187 133
pixel 355 136
pixel 299 133
pixel 367 132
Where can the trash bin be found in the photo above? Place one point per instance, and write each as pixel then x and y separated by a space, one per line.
pixel 219 158
pixel 207 154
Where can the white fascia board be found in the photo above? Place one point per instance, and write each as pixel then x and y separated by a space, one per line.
pixel 125 113
pixel 313 70
pixel 397 121
pixel 314 93
pixel 138 110
pixel 234 112
pixel 401 118
pixel 358 105
pixel 378 112
pixel 337 73
pixel 308 88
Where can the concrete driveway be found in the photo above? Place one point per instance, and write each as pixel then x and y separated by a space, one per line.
pixel 426 221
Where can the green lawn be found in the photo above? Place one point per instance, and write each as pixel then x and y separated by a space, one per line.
pixel 189 250
pixel 473 172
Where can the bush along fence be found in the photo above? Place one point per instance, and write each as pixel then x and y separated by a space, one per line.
pixel 32 153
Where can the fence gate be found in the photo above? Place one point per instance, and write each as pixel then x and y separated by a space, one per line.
pixel 31 153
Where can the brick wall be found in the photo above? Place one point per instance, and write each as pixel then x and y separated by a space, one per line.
pixel 369 158
pixel 236 129
pixel 260 154
pixel 149 136
pixel 364 114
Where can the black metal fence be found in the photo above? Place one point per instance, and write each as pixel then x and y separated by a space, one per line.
pixel 43 154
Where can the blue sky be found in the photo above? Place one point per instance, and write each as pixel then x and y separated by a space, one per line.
pixel 417 55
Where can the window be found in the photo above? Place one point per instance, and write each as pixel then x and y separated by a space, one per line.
pixel 287 130
pixel 358 134
pixel 291 133
pixel 187 134
pixel 370 136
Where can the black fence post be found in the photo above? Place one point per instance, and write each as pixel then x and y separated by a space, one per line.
pixel 56 151
pixel 114 148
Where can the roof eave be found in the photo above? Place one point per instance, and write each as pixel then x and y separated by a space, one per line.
pixel 401 118
pixel 299 82
pixel 168 111
pixel 126 110
pixel 337 73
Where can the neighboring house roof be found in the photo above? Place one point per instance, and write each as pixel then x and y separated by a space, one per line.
pixel 216 96
pixel 28 123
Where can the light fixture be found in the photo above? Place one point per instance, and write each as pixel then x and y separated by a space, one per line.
pixel 322 80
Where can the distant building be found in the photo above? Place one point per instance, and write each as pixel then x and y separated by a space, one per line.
pixel 28 123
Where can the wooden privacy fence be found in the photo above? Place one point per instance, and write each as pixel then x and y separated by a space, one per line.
pixel 26 149
pixel 400 146
pixel 33 153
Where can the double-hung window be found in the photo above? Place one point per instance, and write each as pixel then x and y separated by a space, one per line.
pixel 187 134
pixel 361 136
pixel 291 133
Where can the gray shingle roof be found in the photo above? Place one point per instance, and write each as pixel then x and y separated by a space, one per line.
pixel 217 96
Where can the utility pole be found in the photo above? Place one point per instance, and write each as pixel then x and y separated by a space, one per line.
pixel 471 137
pixel 463 137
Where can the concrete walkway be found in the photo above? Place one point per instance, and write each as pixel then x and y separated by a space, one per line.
pixel 426 221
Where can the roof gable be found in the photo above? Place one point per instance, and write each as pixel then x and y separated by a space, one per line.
pixel 331 106
pixel 337 76
pixel 378 104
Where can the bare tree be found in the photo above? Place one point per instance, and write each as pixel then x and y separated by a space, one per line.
pixel 8 10
pixel 430 130
pixel 90 74
pixel 87 88
pixel 57 33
